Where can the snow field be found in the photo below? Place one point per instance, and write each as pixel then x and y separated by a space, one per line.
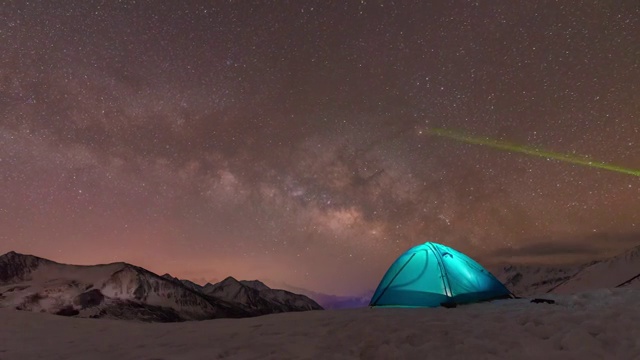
pixel 602 324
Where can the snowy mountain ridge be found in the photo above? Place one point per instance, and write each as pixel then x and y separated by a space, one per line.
pixel 622 270
pixel 331 301
pixel 618 271
pixel 254 295
pixel 125 291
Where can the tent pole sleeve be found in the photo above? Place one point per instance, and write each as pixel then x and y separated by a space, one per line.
pixel 445 279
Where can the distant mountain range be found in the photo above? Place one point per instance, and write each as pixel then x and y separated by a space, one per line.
pixel 125 291
pixel 619 271
pixel 333 302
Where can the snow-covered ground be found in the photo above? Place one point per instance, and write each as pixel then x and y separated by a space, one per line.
pixel 600 324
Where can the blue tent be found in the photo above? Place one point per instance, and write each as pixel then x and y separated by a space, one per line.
pixel 431 275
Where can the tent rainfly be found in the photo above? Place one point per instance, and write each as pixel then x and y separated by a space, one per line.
pixel 431 275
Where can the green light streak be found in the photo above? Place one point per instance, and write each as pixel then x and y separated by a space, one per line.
pixel 505 146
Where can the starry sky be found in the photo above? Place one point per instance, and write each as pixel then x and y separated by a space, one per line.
pixel 289 140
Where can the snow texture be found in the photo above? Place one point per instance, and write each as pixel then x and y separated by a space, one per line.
pixel 601 324
pixel 526 280
pixel 254 296
pixel 619 271
pixel 124 291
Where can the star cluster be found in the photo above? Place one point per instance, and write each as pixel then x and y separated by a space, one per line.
pixel 287 140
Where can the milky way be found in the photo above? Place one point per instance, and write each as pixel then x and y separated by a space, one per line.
pixel 283 140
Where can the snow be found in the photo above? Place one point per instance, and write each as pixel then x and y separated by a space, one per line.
pixel 51 287
pixel 256 284
pixel 605 274
pixel 527 280
pixel 622 270
pixel 633 283
pixel 126 291
pixel 56 281
pixel 599 324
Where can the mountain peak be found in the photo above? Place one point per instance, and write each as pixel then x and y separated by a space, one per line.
pixel 134 292
pixel 630 254
pixel 12 254
pixel 15 267
pixel 256 284
pixel 28 259
pixel 229 280
pixel 169 277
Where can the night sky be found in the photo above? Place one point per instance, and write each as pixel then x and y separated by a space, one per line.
pixel 289 140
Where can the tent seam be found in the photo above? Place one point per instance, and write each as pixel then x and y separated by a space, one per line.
pixel 393 279
pixel 445 278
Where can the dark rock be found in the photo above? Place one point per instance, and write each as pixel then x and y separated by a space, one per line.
pixel 543 301
pixel 131 310
pixel 68 311
pixel 88 299
pixel 514 280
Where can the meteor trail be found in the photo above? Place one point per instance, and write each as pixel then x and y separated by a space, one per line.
pixel 502 145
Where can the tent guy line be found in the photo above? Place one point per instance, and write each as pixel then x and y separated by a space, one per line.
pixel 516 148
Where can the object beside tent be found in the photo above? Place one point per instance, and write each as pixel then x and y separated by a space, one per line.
pixel 431 275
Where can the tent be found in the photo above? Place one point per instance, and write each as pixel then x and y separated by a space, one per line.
pixel 431 275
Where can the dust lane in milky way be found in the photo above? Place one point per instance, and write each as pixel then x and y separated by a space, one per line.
pixel 279 140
